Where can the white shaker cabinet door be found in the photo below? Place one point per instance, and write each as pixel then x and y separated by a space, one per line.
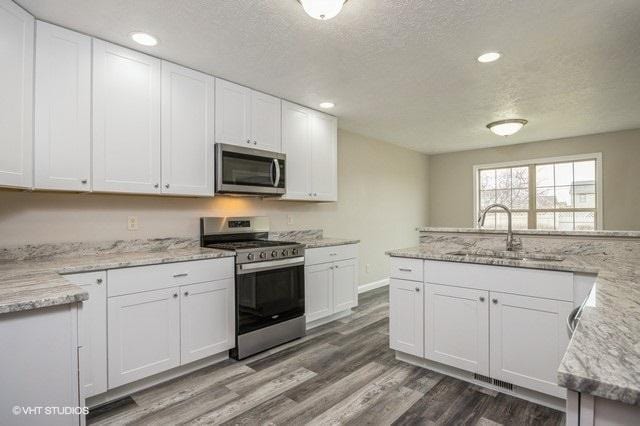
pixel 92 335
pixel 62 109
pixel 207 319
pixel 324 157
pixel 187 131
pixel 318 288
pixel 143 335
pixel 126 120
pixel 345 285
pixel 406 316
pixel 528 340
pixel 296 143
pixel 457 327
pixel 266 122
pixel 233 113
pixel 16 96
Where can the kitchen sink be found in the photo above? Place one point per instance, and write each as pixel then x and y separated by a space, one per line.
pixel 512 255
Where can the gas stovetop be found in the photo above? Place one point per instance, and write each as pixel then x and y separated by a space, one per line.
pixel 248 251
pixel 248 237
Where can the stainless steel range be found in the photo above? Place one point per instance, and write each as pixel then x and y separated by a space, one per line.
pixel 269 282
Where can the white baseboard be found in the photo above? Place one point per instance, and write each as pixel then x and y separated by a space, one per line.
pixel 373 285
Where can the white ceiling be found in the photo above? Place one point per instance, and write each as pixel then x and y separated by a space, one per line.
pixel 404 71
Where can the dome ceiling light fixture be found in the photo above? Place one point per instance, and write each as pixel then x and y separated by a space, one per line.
pixel 489 57
pixel 144 38
pixel 322 9
pixel 507 127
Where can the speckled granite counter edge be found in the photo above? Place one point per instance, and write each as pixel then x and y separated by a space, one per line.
pixel 533 232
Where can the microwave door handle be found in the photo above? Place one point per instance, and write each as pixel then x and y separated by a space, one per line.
pixel 277 166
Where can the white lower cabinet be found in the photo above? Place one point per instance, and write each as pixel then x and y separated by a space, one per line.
pixel 144 335
pixel 528 340
pixel 406 316
pixel 92 332
pixel 318 291
pixel 511 338
pixel 331 281
pixel 206 319
pixel 457 327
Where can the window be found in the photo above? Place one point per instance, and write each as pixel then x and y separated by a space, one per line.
pixel 559 193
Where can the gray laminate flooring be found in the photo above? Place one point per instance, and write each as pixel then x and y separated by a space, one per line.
pixel 340 373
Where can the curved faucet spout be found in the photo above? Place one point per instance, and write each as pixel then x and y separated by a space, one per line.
pixel 483 214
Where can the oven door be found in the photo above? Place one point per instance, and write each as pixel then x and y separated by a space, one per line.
pixel 241 170
pixel 268 293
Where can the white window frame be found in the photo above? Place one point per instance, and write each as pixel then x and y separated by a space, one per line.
pixel 520 163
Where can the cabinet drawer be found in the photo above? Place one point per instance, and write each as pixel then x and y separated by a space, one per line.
pixel 407 269
pixel 315 256
pixel 153 277
pixel 529 282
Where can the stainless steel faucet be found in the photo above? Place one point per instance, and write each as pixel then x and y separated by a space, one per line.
pixel 510 244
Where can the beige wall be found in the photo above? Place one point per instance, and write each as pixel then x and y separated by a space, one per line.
pixel 451 176
pixel 382 198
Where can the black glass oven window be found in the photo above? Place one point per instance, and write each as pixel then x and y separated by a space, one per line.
pixel 251 170
pixel 269 297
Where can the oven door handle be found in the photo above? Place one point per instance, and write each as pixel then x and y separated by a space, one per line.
pixel 249 268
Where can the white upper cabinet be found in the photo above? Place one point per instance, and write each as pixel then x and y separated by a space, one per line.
pixel 126 120
pixel 233 109
pixel 296 140
pixel 187 131
pixel 62 109
pixel 324 157
pixel 16 96
pixel 247 118
pixel 266 122
pixel 310 140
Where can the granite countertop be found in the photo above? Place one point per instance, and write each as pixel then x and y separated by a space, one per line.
pixel 38 283
pixel 603 356
pixel 550 233
pixel 325 242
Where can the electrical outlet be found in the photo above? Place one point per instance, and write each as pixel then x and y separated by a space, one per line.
pixel 289 219
pixel 132 223
pixel 367 268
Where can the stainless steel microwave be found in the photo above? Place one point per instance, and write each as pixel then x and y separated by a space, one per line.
pixel 241 170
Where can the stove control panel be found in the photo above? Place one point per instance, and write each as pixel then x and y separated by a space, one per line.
pixel 269 254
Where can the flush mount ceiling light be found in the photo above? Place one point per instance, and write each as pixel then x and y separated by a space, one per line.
pixel 489 57
pixel 322 9
pixel 507 127
pixel 327 105
pixel 144 39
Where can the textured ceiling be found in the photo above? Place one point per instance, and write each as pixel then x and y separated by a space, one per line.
pixel 404 71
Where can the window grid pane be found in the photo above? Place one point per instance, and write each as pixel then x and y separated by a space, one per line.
pixel 565 195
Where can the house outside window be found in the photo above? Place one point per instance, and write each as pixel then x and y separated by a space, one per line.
pixel 562 193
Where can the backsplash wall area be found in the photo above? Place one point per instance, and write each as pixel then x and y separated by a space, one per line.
pixel 381 187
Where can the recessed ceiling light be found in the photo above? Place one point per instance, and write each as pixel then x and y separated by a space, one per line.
pixel 327 105
pixel 507 127
pixel 322 9
pixel 144 39
pixel 489 57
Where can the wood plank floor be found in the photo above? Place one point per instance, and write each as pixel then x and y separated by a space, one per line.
pixel 340 373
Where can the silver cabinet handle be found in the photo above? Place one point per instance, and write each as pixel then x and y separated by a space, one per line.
pixel 333 254
pixel 157 185
pixel 184 274
pixel 405 269
pixel 186 293
pixel 175 295
pixel 310 194
pixel 315 194
pixel 417 288
pixel 99 281
pixel 166 186
pixel 248 140
pixel 482 298
pixel 84 181
pixel 255 142
pixel 495 301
